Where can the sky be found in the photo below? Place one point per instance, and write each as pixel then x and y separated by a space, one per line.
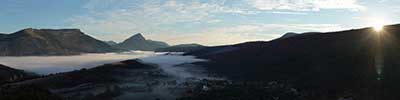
pixel 207 22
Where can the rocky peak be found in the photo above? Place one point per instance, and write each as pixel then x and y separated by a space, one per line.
pixel 136 37
pixel 28 31
pixel 139 42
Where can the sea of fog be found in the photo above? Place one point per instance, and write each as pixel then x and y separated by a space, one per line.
pixel 55 64
pixel 177 65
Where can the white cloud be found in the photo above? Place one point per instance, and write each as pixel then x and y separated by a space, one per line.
pixel 214 21
pixel 145 16
pixel 279 28
pixel 156 17
pixel 381 1
pixel 306 5
pixel 289 13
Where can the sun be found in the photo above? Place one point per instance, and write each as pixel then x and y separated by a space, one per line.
pixel 377 24
pixel 378 27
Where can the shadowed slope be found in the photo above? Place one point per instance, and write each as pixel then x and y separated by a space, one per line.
pixel 338 63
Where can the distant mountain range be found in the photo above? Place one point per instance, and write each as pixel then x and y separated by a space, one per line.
pixel 181 48
pixel 111 43
pixel 138 42
pixel 28 42
pixel 44 42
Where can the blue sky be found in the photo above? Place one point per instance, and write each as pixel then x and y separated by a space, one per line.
pixel 208 22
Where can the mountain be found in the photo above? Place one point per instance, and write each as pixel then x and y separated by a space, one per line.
pixel 181 48
pixel 8 74
pixel 111 43
pixel 330 65
pixel 30 42
pixel 138 42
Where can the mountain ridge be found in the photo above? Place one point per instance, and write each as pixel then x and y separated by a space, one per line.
pixel 181 48
pixel 31 42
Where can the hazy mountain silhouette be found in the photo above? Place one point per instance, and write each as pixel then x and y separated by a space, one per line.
pixel 138 42
pixel 111 43
pixel 181 48
pixel 30 41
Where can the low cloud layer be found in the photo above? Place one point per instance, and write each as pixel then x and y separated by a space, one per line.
pixel 170 64
pixel 56 64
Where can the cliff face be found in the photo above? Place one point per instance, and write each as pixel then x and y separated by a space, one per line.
pixel 32 42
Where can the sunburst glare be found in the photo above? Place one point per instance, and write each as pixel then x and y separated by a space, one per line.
pixel 378 27
pixel 377 24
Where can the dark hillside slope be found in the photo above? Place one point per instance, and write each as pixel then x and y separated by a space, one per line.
pixel 181 48
pixel 338 63
pixel 8 74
